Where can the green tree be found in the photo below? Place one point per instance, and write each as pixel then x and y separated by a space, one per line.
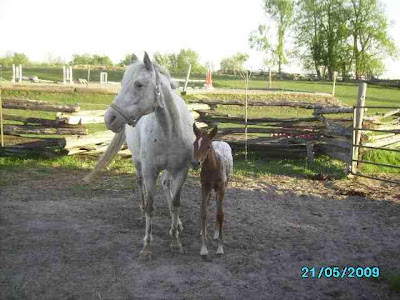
pixel 186 57
pixel 93 60
pixel 343 35
pixel 322 32
pixel 20 58
pixel 280 11
pixel 234 63
pixel 179 63
pixel 371 41
pixel 126 61
pixel 163 60
pixel 82 59
pixel 6 61
pixel 102 60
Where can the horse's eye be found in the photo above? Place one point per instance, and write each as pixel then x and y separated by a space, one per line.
pixel 138 85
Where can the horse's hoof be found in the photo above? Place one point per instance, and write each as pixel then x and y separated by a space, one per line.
pixel 203 251
pixel 220 250
pixel 145 255
pixel 176 247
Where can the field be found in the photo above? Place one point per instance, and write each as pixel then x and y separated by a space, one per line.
pixel 61 238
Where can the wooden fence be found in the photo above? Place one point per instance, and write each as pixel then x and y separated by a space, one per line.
pixel 69 124
pixel 318 133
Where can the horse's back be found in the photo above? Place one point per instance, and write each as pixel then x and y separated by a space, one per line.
pixel 224 155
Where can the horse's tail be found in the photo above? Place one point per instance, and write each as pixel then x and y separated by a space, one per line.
pixel 108 155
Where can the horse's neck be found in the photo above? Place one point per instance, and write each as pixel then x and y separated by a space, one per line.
pixel 168 116
pixel 211 163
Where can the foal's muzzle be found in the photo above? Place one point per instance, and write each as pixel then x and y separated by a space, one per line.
pixel 195 164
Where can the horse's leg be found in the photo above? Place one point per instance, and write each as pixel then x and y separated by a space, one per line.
pixel 139 178
pixel 166 183
pixel 220 218
pixel 177 181
pixel 205 196
pixel 149 182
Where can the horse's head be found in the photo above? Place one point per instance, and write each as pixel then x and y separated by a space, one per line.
pixel 203 143
pixel 140 94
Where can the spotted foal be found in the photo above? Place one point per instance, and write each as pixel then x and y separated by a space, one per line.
pixel 215 158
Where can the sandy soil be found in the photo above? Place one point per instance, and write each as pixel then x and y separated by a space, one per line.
pixel 63 239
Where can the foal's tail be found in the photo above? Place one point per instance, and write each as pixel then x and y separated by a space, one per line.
pixel 108 155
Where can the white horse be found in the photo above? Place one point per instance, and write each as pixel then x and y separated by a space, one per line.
pixel 157 126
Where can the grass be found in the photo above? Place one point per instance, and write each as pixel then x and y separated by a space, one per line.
pixel 258 167
pixel 255 167
pixel 383 157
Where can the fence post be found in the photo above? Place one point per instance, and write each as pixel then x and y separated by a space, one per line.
pixel 270 80
pixel 13 73
pixel 358 116
pixel 71 81
pixel 20 73
pixel 187 80
pixel 334 83
pixel 1 121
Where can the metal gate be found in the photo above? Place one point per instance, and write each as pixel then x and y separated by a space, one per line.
pixel 357 131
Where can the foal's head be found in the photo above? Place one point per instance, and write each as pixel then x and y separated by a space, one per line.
pixel 203 143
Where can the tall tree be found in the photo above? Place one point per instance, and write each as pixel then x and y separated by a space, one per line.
pixel 343 35
pixel 89 59
pixel 82 59
pixel 322 33
pixel 371 40
pixel 20 58
pixel 179 63
pixel 281 11
pixel 186 57
pixel 126 61
pixel 234 63
pixel 163 60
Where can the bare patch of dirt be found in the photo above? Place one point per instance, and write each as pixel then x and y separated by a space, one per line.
pixel 61 238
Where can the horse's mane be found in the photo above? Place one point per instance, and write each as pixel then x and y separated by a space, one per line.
pixel 165 72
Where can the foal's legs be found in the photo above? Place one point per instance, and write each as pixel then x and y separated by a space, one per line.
pixel 220 219
pixel 177 181
pixel 205 196
pixel 149 182
pixel 166 183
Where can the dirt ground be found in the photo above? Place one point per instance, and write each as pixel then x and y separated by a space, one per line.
pixel 62 239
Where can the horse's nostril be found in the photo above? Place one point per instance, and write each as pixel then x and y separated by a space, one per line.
pixel 112 119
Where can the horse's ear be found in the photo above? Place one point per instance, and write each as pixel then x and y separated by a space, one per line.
pixel 196 130
pixel 133 58
pixel 147 62
pixel 213 133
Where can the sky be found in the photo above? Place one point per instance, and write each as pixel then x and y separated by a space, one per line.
pixel 214 28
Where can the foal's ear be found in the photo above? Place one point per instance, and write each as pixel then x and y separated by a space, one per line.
pixel 213 133
pixel 133 58
pixel 147 62
pixel 196 131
